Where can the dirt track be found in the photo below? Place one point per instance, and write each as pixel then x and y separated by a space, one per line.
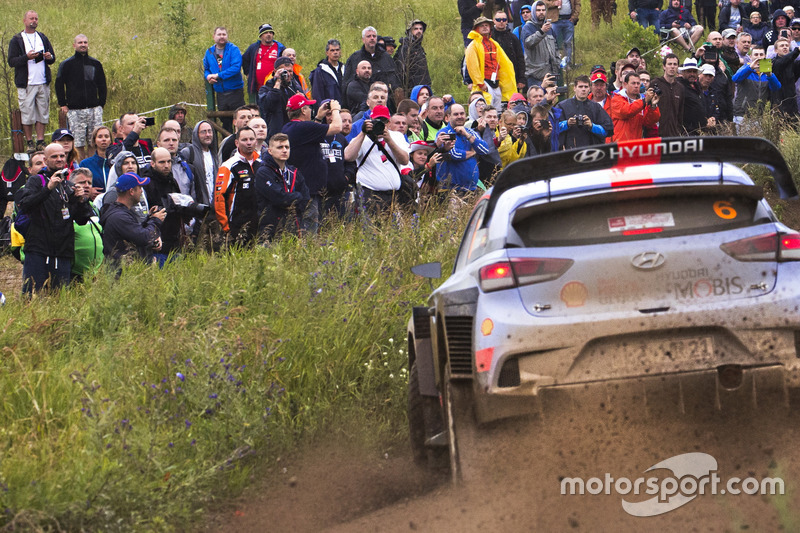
pixel 591 434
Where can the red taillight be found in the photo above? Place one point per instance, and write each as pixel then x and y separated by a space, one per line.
pixel 767 247
pixel 521 271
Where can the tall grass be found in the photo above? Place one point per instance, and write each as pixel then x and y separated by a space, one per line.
pixel 130 403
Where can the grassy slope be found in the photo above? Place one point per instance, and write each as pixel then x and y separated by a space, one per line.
pixel 131 403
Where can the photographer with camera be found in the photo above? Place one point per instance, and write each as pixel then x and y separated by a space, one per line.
pixel 459 169
pixel 122 228
pixel 130 128
pixel 583 122
pixel 379 155
pixel 307 138
pixel 755 85
pixel 275 93
pixel 630 112
pixel 51 204
pixel 161 183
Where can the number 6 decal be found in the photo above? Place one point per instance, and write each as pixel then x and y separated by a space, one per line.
pixel 724 210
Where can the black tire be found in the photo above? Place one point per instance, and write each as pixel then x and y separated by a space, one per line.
pixel 425 421
pixel 462 430
pixel 416 419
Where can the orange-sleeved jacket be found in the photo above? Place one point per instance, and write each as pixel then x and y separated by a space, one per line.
pixel 631 117
pixel 235 201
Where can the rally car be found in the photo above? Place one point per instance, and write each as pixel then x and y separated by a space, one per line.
pixel 628 261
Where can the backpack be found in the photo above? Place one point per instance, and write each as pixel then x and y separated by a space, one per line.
pixel 22 221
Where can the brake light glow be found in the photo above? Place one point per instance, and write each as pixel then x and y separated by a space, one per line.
pixel 521 271
pixel 641 231
pixel 767 247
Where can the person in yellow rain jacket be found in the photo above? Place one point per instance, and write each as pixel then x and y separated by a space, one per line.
pixel 488 66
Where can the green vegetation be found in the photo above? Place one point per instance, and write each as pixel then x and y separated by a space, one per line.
pixel 131 403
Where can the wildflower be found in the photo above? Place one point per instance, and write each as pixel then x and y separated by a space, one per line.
pixel 194 441
pixel 188 424
pixel 180 376
pixel 213 395
pixel 171 445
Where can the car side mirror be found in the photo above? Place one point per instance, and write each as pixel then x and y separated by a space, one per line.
pixel 428 270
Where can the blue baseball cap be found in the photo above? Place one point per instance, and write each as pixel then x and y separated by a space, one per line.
pixel 129 180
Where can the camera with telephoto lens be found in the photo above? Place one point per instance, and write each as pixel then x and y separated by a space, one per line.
pixel 378 128
pixel 285 77
pixel 184 204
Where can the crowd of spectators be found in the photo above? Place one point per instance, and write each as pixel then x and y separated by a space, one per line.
pixel 366 134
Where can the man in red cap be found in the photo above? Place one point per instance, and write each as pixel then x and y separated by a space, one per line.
pixel 379 160
pixel 309 148
pixel 599 92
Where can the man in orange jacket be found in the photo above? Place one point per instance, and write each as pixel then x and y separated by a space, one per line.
pixel 630 113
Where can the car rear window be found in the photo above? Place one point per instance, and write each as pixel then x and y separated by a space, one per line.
pixel 617 217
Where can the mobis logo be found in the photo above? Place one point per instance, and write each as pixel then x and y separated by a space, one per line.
pixel 693 474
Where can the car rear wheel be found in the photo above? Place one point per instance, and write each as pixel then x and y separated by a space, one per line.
pixel 424 423
pixel 461 429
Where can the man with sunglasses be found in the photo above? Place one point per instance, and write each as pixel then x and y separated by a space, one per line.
pixel 511 46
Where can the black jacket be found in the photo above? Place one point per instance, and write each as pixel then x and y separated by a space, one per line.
pixel 513 49
pixel 355 95
pixel 383 67
pixel 694 110
pixel 19 60
pixel 276 198
pixel 633 5
pixel 81 82
pixel 787 70
pixel 123 231
pixel 579 136
pixel 412 63
pixel 272 104
pixel 157 190
pixel 50 234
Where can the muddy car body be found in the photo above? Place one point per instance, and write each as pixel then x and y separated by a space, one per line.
pixel 630 261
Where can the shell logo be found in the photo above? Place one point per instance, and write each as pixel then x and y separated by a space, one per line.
pixel 574 294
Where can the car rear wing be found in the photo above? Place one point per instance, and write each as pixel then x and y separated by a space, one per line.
pixel 646 152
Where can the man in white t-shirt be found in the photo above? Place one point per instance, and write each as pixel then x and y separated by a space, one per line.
pixel 379 160
pixel 31 54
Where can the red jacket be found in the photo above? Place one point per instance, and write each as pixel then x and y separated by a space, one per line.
pixel 631 117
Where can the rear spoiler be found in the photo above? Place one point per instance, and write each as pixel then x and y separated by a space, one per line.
pixel 646 152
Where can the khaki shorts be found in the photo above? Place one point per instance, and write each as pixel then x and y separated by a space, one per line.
pixel 82 122
pixel 34 103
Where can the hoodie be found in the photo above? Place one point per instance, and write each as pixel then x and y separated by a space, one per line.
pixel 186 130
pixel 772 35
pixel 541 56
pixel 473 113
pixel 520 23
pixel 204 165
pixel 415 91
pixel 110 196
pixel 277 194
pixel 411 61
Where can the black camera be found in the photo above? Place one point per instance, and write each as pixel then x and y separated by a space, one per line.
pixel 378 128
pixel 285 76
pixel 579 119
pixel 561 89
pixel 657 90
pixel 183 204
pixel 710 55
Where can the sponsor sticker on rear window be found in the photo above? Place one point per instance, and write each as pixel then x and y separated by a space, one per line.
pixel 646 221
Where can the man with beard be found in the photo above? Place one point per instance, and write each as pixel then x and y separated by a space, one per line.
pixel 459 172
pixel 411 60
pixel 202 157
pixel 541 57
pixel 326 79
pixel 162 183
pixel 81 92
pixel 694 116
pixel 511 46
pixel 357 90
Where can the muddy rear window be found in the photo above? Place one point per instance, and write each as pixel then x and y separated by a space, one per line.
pixel 611 218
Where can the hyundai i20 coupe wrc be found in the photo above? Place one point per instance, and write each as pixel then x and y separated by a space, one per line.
pixel 644 260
